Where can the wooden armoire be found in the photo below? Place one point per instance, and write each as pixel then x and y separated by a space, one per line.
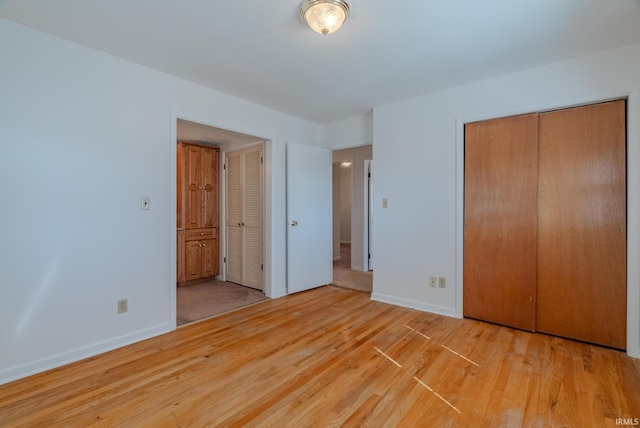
pixel 197 213
pixel 545 222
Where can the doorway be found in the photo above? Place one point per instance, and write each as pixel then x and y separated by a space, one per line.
pixel 211 295
pixel 352 219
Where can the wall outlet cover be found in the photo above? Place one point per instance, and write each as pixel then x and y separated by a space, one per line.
pixel 122 306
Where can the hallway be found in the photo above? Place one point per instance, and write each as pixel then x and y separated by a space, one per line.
pixel 344 277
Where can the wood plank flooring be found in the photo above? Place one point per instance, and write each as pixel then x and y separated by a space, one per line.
pixel 332 357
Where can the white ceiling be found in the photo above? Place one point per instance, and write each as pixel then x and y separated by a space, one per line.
pixel 387 51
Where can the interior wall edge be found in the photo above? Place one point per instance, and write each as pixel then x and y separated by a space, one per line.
pixel 633 228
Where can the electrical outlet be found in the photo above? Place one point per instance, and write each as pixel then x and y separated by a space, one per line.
pixel 122 306
pixel 385 203
pixel 145 203
pixel 442 282
pixel 433 281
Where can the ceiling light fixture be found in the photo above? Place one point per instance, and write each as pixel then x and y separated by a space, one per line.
pixel 324 16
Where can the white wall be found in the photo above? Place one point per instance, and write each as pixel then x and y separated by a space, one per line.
pixel 418 153
pixel 84 136
pixel 353 132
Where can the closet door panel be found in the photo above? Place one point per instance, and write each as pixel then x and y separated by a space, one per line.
pixel 253 258
pixel 582 224
pixel 253 218
pixel 500 221
pixel 234 217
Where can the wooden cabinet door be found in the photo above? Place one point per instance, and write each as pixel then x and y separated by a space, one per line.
pixel 192 214
pixel 209 187
pixel 208 257
pixel 193 260
pixel 500 221
pixel 582 224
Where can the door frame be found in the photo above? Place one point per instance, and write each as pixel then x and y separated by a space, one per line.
pixel 633 196
pixel 368 214
pixel 359 247
pixel 269 226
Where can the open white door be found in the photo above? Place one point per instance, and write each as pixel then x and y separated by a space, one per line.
pixel 309 214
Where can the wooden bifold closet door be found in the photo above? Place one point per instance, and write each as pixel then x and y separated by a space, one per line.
pixel 545 222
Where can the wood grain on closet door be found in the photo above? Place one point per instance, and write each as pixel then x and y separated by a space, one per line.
pixel 500 220
pixel 582 224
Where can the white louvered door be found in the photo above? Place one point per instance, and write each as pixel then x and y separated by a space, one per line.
pixel 233 169
pixel 244 217
pixel 252 223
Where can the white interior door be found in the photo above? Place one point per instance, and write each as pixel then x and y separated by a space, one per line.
pixel 309 214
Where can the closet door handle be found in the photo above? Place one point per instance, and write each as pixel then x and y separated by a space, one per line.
pixel 294 223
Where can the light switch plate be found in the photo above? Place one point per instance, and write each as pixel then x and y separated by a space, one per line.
pixel 145 203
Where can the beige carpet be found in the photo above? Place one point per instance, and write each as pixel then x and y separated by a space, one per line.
pixel 204 300
pixel 344 277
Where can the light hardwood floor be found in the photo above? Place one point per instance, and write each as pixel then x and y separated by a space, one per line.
pixel 333 357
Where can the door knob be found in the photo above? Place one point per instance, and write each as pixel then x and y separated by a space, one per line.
pixel 294 223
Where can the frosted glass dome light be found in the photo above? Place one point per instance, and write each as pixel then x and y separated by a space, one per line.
pixel 324 16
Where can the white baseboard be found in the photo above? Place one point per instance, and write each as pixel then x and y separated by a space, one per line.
pixel 48 363
pixel 412 304
pixel 281 292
